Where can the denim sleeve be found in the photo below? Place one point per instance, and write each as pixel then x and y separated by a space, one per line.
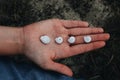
pixel 13 70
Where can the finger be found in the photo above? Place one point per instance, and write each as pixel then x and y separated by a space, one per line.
pixel 75 23
pixel 82 48
pixel 96 37
pixel 60 68
pixel 80 31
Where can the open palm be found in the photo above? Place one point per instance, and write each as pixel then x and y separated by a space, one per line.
pixel 44 55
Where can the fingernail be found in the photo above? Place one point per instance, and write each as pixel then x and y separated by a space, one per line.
pixel 103 44
pixel 108 36
pixel 101 29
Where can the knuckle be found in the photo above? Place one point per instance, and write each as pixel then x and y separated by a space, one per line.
pixel 77 22
pixel 69 31
pixel 65 31
pixel 91 30
pixel 96 37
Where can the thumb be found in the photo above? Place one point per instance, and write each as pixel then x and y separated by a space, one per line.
pixel 60 68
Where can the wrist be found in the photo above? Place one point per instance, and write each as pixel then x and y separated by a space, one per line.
pixel 21 40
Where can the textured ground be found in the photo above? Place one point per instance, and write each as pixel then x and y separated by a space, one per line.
pixel 102 64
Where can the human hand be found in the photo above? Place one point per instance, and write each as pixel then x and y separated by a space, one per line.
pixel 44 55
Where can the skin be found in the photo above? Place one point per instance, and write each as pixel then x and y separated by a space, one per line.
pixel 28 42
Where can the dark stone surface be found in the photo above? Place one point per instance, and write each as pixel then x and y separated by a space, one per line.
pixel 102 64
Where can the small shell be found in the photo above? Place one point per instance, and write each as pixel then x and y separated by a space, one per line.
pixel 45 39
pixel 59 40
pixel 87 39
pixel 71 40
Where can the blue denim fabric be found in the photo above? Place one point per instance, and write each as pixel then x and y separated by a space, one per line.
pixel 13 70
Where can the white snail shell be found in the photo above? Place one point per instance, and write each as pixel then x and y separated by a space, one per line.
pixel 59 40
pixel 87 39
pixel 71 39
pixel 45 39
